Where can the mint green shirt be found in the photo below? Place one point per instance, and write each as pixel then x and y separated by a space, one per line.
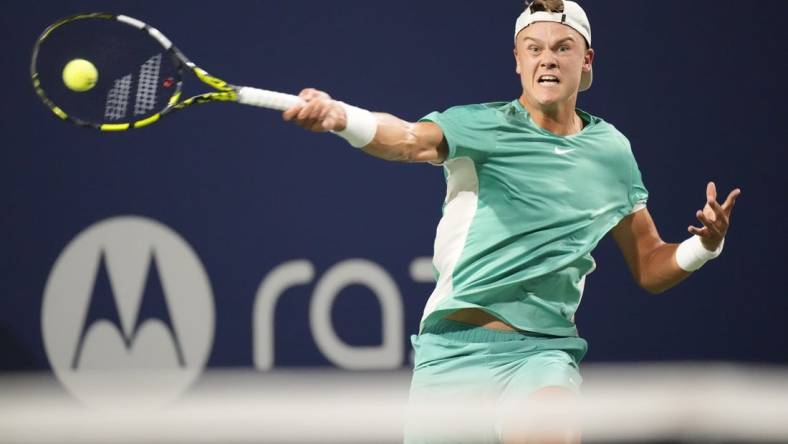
pixel 524 209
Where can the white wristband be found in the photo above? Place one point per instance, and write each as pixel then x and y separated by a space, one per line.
pixel 691 254
pixel 361 126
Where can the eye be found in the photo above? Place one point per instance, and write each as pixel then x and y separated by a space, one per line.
pixel 533 49
pixel 563 48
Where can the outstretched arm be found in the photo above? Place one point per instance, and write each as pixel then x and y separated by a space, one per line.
pixel 654 263
pixel 394 139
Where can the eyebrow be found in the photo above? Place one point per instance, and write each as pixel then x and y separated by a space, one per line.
pixel 567 38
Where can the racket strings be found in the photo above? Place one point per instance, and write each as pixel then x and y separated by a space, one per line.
pixel 137 75
pixel 118 99
pixel 147 85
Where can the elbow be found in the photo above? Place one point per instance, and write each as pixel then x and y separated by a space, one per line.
pixel 405 149
pixel 391 154
pixel 653 287
pixel 414 152
pixel 647 282
pixel 419 148
pixel 410 154
pixel 650 274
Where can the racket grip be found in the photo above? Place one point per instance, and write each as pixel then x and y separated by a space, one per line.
pixel 267 99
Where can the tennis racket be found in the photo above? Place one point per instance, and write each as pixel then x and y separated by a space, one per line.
pixel 140 74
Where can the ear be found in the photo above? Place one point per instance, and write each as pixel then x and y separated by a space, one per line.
pixel 588 60
pixel 516 61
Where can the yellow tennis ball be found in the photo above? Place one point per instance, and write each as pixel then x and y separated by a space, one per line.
pixel 80 75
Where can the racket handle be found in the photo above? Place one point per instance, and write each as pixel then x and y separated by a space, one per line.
pixel 267 99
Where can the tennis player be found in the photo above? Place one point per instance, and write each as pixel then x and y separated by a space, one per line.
pixel 532 186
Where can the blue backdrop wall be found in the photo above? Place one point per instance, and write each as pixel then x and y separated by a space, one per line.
pixel 698 87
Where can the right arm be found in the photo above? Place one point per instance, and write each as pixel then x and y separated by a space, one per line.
pixel 395 139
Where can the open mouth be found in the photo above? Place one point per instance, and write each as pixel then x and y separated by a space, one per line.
pixel 548 80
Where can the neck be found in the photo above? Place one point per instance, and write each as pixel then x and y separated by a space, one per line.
pixel 560 119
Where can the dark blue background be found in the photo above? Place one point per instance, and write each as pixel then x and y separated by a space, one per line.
pixel 698 87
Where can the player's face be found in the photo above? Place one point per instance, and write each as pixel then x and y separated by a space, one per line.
pixel 550 59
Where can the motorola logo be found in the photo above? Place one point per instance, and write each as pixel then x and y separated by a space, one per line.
pixel 128 311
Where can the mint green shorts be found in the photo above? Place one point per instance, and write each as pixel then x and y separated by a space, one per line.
pixel 456 360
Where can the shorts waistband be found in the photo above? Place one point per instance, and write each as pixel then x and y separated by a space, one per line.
pixel 473 333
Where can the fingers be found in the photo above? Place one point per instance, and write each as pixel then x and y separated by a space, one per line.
pixel 711 195
pixel 714 217
pixel 731 200
pixel 719 213
pixel 329 123
pixel 713 229
pixel 702 232
pixel 306 95
pixel 312 111
pixel 315 102
pixel 711 191
pixel 293 111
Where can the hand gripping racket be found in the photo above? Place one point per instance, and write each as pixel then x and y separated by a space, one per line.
pixel 139 74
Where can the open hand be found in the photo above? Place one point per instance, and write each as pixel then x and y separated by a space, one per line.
pixel 715 218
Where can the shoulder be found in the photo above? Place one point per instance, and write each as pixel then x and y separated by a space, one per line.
pixel 474 111
pixel 607 130
pixel 469 130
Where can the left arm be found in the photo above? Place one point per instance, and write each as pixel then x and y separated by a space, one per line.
pixel 652 261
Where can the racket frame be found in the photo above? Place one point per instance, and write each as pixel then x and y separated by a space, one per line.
pixel 225 92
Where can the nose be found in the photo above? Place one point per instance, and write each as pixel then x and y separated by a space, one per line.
pixel 548 60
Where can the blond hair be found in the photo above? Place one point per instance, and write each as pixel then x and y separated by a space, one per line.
pixel 546 5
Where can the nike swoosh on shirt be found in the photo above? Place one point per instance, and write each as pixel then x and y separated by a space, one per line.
pixel 561 152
